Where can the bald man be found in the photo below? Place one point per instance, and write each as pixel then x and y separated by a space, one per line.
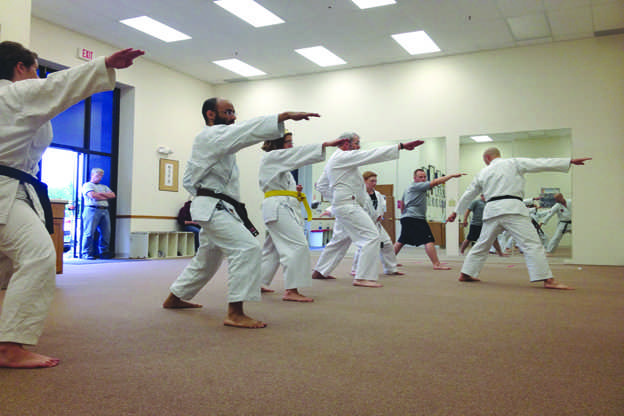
pixel 502 184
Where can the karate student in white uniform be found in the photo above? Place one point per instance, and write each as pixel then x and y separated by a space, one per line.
pixel 502 185
pixel 285 241
pixel 562 209
pixel 27 104
pixel 349 200
pixel 212 177
pixel 377 209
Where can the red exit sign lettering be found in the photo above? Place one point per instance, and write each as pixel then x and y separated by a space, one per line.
pixel 85 54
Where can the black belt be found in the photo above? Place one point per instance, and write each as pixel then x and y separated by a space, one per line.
pixel 239 207
pixel 497 198
pixel 96 207
pixel 40 188
pixel 566 222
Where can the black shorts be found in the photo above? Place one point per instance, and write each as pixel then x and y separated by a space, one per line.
pixel 474 232
pixel 415 232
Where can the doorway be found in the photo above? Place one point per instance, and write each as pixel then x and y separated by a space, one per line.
pixel 63 171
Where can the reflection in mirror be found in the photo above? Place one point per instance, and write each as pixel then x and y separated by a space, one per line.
pixel 532 144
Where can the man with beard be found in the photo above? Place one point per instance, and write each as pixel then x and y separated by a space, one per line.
pixel 212 177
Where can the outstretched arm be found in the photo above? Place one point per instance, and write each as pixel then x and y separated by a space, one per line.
pixel 295 115
pixel 442 179
pixel 123 59
pixel 410 145
pixel 335 143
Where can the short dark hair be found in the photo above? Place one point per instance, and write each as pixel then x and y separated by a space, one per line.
pixel 276 144
pixel 209 105
pixel 11 53
pixel 421 170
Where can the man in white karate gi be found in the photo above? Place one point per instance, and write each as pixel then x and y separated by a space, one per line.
pixel 349 199
pixel 502 185
pixel 377 209
pixel 562 210
pixel 27 104
pixel 212 177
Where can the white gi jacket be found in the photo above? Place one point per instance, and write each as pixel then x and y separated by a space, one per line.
pixel 506 177
pixel 25 110
pixel 561 210
pixel 274 174
pixel 213 160
pixel 375 213
pixel 345 180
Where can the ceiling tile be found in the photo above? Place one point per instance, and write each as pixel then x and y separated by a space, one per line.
pixel 565 23
pixel 608 16
pixel 527 27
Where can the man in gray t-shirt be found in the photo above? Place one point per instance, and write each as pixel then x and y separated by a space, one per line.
pixel 414 228
pixel 95 217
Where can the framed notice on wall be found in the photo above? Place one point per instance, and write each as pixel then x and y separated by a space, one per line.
pixel 168 175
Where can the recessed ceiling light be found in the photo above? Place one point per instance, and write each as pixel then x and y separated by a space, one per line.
pixel 481 139
pixel 155 28
pixel 416 42
pixel 367 4
pixel 321 56
pixel 239 67
pixel 251 12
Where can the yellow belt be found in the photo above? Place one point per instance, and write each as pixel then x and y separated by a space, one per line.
pixel 301 197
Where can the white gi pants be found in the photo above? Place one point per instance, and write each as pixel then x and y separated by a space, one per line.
pixel 223 235
pixel 361 230
pixel 285 244
pixel 523 233
pixel 334 251
pixel 386 253
pixel 562 228
pixel 27 251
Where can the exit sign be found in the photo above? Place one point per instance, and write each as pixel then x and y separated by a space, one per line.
pixel 85 54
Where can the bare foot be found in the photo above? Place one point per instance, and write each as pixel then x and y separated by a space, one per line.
pixel 317 275
pixel 440 267
pixel 266 290
pixel 174 302
pixel 293 295
pixel 244 322
pixel 553 284
pixel 366 283
pixel 465 278
pixel 13 355
pixel 397 273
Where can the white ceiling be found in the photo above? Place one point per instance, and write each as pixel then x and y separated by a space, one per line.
pixel 361 37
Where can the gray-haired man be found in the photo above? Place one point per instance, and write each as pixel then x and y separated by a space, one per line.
pixel 95 217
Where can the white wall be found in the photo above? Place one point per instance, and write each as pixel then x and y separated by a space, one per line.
pixel 576 84
pixel 159 106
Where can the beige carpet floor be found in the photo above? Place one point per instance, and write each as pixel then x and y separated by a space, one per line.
pixel 424 344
